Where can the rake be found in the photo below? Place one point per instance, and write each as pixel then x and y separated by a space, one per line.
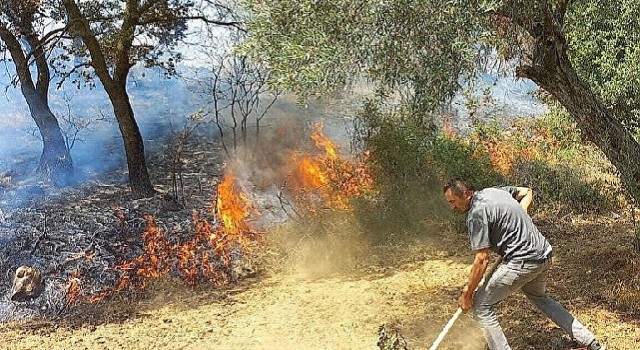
pixel 446 329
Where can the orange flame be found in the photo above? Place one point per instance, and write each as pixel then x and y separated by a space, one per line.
pixel 322 142
pixel 206 256
pixel 326 176
pixel 232 206
pixel 73 287
pixel 310 172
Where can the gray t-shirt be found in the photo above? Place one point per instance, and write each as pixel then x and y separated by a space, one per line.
pixel 497 221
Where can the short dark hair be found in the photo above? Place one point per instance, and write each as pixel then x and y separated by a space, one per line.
pixel 458 186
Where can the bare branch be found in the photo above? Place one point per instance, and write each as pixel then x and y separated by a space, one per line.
pixel 264 112
pixel 235 24
pixel 73 70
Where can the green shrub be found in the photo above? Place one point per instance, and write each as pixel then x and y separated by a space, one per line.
pixel 454 158
pixel 410 160
pixel 564 188
pixel 410 191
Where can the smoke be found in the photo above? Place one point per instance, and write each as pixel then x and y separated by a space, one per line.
pixel 315 238
pixel 86 118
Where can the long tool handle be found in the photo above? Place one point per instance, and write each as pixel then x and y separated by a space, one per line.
pixel 446 329
pixel 490 270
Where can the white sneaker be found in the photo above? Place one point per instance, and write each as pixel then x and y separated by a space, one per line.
pixel 595 345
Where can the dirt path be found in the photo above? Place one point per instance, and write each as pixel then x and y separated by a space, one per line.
pixel 343 311
pixel 287 312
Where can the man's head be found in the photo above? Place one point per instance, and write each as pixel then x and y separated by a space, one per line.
pixel 458 193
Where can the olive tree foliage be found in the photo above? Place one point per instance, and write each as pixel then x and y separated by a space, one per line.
pixel 313 47
pixel 604 43
pixel 575 50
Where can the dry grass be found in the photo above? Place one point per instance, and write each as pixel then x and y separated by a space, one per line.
pixel 411 284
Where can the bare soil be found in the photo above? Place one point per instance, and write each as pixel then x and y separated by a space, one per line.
pixel 411 285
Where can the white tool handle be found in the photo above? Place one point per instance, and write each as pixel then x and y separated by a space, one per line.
pixel 455 316
pixel 446 329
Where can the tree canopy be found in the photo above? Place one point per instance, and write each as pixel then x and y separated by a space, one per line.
pixel 584 53
pixel 603 39
pixel 316 46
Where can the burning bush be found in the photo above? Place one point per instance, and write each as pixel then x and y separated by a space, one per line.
pixel 324 180
pixel 317 180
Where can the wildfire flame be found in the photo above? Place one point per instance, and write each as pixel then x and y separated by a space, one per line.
pixel 321 180
pixel 327 177
pixel 206 256
pixel 73 287
pixel 232 207
pixel 322 142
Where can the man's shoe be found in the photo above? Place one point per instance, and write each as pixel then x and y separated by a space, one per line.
pixel 595 345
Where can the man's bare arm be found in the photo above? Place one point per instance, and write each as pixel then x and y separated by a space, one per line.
pixel 524 196
pixel 480 263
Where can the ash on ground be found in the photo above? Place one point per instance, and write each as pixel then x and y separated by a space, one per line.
pixel 95 226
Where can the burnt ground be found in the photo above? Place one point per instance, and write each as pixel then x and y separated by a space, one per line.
pixel 328 292
pixel 93 227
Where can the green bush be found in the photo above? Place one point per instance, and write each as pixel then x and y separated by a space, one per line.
pixel 564 188
pixel 411 159
pixel 453 158
pixel 410 191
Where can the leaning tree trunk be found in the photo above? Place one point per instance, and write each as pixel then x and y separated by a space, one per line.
pixel 133 144
pixel 552 70
pixel 55 161
pixel 116 87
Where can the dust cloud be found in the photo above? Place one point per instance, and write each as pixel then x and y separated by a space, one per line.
pixel 313 239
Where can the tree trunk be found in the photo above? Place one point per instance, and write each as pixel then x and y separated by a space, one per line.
pixel 133 144
pixel 55 161
pixel 116 88
pixel 552 70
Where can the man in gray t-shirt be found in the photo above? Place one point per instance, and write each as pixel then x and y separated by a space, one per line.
pixel 511 234
pixel 497 221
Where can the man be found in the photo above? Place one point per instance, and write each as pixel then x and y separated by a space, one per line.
pixel 497 221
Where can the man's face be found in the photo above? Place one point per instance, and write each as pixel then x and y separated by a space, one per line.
pixel 460 203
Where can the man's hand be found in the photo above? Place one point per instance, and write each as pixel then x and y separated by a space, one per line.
pixel 465 301
pixel 524 197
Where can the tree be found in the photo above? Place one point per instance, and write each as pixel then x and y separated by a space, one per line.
pixel 428 46
pixel 235 87
pixel 28 44
pixel 117 35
